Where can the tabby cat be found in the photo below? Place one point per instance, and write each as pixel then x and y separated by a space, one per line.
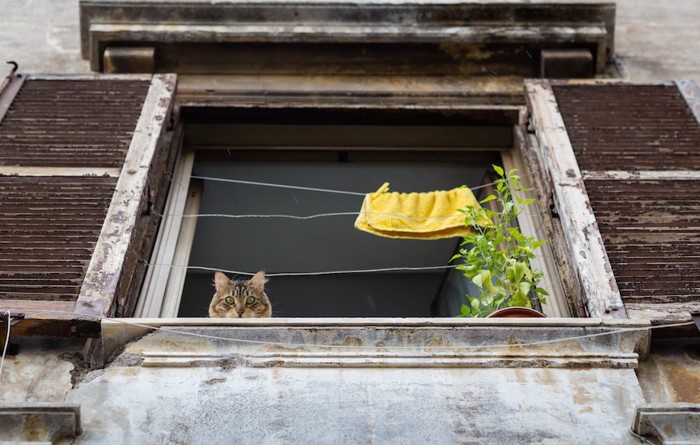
pixel 240 299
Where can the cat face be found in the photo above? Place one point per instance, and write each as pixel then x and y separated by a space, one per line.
pixel 240 299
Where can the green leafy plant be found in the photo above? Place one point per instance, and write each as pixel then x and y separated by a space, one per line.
pixel 496 255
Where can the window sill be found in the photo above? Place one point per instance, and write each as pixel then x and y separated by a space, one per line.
pixel 378 342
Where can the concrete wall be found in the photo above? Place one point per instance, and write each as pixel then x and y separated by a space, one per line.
pixel 414 381
pixel 653 39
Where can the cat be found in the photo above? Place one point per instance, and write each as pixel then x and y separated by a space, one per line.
pixel 240 299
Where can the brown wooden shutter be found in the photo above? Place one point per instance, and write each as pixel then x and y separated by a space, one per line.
pixel 81 160
pixel 636 160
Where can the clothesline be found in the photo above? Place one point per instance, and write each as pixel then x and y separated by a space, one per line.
pixel 506 345
pixel 300 274
pixel 311 189
pixel 308 217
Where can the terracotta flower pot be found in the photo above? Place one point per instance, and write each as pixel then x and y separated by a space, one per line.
pixel 516 312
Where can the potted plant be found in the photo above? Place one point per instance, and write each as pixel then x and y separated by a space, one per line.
pixel 496 255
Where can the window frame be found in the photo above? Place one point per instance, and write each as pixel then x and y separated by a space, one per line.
pixel 162 290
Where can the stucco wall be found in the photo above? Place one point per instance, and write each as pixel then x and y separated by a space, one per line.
pixel 654 40
pixel 392 382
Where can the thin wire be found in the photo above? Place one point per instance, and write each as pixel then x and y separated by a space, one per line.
pixel 268 184
pixel 297 187
pixel 320 215
pixel 297 274
pixel 225 215
pixel 642 439
pixel 358 347
pixel 7 340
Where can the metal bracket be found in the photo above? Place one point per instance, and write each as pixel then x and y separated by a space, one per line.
pixel 12 348
pixel 696 318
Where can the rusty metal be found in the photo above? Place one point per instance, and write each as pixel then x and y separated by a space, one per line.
pixel 7 78
pixel 630 127
pixel 48 228
pixel 10 87
pixel 71 123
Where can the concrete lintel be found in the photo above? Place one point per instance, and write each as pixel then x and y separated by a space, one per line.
pixel 47 422
pixel 668 423
pixel 384 21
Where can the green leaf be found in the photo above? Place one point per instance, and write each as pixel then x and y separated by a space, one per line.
pixel 481 278
pixel 519 271
pixel 498 169
pixel 487 199
pixel 524 288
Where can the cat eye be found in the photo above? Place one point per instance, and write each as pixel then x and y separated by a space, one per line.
pixel 229 300
pixel 250 300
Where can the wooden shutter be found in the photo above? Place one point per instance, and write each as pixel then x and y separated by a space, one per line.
pixel 623 162
pixel 81 161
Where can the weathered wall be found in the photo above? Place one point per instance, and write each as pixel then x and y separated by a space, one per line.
pixel 671 374
pixel 397 382
pixel 358 405
pixel 42 36
pixel 41 371
pixel 653 40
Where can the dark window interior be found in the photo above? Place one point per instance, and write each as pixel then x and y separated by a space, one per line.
pixel 338 155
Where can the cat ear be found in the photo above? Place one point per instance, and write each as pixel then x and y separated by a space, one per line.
pixel 258 281
pixel 221 281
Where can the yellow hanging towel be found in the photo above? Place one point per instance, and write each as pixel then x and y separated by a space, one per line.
pixel 430 215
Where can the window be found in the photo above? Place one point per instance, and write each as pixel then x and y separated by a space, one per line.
pixel 334 150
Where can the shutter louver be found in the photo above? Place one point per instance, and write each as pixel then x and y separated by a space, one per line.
pixel 638 150
pixel 63 142
pixel 71 123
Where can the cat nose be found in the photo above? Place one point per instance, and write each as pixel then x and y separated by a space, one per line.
pixel 240 311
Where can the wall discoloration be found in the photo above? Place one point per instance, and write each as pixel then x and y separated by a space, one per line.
pixel 42 371
pixel 424 384
pixel 368 406
pixel 671 373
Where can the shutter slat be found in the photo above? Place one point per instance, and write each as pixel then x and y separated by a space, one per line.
pixel 629 127
pixel 71 123
pixel 53 251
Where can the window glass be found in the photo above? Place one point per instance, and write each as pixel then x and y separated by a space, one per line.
pixel 325 243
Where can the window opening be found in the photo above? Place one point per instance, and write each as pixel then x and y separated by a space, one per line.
pixel 337 156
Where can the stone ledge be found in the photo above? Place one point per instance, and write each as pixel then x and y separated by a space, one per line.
pixel 39 422
pixel 668 423
pixel 379 343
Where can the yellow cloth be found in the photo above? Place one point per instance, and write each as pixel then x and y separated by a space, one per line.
pixel 430 215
